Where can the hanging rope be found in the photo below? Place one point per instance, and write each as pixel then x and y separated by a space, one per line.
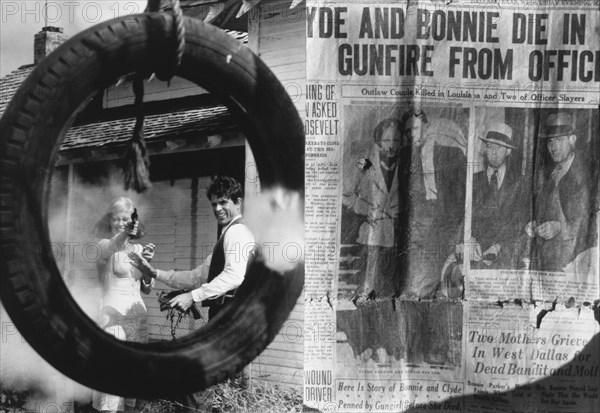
pixel 137 170
pixel 180 30
pixel 168 72
pixel 153 6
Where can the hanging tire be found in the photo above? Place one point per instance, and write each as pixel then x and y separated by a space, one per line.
pixel 33 128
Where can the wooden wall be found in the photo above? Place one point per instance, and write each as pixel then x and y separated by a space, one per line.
pixel 174 208
pixel 176 213
pixel 277 34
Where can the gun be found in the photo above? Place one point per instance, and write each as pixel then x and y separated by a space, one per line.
pixel 141 230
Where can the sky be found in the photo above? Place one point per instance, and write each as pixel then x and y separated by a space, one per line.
pixel 21 19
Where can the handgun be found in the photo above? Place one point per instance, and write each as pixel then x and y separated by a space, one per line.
pixel 140 229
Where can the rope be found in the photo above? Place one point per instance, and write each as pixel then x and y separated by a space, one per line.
pixel 179 29
pixel 153 6
pixel 138 104
pixel 168 72
pixel 137 171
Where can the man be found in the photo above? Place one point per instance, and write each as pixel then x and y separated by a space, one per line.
pixel 495 218
pixel 563 207
pixel 374 202
pixel 432 187
pixel 214 282
pixel 496 204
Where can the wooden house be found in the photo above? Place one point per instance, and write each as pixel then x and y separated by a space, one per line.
pixel 190 137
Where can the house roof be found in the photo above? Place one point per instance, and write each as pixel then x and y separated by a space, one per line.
pixel 10 83
pixel 230 14
pixel 209 120
pixel 114 134
pixel 158 129
pixel 163 133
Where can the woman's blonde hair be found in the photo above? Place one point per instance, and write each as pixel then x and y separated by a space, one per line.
pixel 102 228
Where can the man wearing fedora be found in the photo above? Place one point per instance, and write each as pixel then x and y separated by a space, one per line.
pixel 496 214
pixel 497 204
pixel 562 202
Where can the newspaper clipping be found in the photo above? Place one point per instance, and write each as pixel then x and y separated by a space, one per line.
pixel 452 156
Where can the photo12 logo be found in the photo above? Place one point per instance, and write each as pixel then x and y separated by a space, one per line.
pixel 63 12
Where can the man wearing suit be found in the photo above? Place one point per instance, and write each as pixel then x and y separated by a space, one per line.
pixel 432 172
pixel 561 229
pixel 497 208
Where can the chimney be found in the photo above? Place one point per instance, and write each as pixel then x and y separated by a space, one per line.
pixel 46 41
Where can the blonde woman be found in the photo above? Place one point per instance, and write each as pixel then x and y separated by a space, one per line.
pixel 123 312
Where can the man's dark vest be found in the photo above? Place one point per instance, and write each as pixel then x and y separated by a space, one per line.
pixel 217 264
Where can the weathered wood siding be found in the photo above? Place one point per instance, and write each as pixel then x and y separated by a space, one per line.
pixel 277 34
pixel 177 218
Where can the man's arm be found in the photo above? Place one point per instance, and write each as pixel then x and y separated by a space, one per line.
pixel 176 279
pixel 185 279
pixel 239 245
pixel 575 203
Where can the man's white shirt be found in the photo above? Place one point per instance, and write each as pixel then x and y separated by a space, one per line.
pixel 501 174
pixel 238 244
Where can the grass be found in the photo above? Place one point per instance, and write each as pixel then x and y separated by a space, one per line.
pixel 237 395
pixel 240 396
pixel 12 400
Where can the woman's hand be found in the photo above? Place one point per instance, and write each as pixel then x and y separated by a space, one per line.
pixel 142 265
pixel 147 284
pixel 148 252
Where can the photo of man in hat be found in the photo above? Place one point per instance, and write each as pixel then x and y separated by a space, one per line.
pixel 497 212
pixel 496 204
pixel 562 202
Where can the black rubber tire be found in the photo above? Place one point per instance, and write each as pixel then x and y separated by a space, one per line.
pixel 32 130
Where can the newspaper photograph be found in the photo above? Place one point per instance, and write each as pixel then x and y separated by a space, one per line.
pixel 514 253
pixel 283 205
pixel 462 141
pixel 412 176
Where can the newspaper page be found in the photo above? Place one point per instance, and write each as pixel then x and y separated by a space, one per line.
pixel 451 190
pixel 528 358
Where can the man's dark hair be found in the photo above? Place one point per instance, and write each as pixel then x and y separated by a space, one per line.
pixel 412 112
pixel 225 186
pixel 383 125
